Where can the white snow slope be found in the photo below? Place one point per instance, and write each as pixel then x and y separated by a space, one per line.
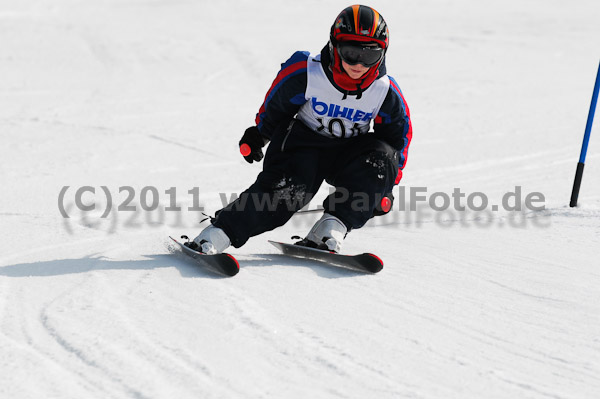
pixel 156 93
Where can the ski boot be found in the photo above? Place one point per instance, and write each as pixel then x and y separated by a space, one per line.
pixel 212 240
pixel 327 234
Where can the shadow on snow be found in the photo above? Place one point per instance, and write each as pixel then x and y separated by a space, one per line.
pixel 186 266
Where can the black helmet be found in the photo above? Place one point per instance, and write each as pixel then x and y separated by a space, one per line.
pixel 360 23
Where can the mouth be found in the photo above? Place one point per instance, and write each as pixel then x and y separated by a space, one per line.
pixel 355 71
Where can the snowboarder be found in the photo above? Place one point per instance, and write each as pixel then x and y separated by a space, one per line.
pixel 316 118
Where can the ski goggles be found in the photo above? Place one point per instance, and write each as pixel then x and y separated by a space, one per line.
pixel 353 53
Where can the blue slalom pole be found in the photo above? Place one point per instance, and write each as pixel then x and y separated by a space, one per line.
pixel 584 146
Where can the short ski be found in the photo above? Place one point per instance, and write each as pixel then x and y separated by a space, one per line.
pixel 363 262
pixel 220 263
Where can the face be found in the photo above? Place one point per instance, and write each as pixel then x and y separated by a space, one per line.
pixel 354 71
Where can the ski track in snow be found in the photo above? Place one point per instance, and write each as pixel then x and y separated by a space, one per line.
pixel 154 93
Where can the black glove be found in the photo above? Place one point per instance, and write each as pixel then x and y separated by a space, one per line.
pixel 251 145
pixel 385 205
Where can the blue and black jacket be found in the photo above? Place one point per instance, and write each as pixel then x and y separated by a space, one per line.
pixel 287 94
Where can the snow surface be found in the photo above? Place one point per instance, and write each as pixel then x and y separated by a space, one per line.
pixel 157 93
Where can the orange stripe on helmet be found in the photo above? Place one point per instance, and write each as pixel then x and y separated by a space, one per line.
pixel 355 11
pixel 375 22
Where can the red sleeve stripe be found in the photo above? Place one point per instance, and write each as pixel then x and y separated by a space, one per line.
pixel 281 77
pixel 408 136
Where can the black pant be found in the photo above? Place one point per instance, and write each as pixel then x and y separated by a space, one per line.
pixel 298 160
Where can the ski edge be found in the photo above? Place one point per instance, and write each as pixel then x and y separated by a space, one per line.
pixel 365 262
